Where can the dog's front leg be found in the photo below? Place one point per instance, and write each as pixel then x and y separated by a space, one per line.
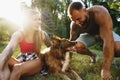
pixel 74 74
pixel 65 77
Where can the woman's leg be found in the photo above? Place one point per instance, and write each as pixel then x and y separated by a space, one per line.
pixel 25 68
pixel 6 72
pixel 12 61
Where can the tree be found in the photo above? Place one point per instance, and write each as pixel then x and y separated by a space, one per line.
pixel 54 16
pixel 6 29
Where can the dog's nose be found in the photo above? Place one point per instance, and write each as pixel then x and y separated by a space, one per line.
pixel 75 42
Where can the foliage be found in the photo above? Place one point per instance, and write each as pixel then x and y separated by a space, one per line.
pixel 6 29
pixel 57 22
pixel 54 16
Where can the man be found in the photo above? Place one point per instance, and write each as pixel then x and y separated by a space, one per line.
pixel 96 22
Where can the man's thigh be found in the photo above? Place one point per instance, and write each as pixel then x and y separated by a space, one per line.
pixel 116 36
pixel 117 44
pixel 87 39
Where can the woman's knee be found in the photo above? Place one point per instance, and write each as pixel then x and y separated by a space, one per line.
pixel 16 70
pixel 6 72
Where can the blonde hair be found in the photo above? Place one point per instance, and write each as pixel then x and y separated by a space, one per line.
pixel 28 12
pixel 37 42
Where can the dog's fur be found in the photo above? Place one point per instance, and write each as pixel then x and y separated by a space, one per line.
pixel 57 58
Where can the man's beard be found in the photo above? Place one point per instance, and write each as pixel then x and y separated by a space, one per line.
pixel 84 25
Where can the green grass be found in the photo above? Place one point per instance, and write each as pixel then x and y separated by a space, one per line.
pixel 81 64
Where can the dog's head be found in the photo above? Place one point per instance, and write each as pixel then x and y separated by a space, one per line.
pixel 62 43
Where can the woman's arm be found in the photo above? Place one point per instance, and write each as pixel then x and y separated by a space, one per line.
pixel 46 38
pixel 10 48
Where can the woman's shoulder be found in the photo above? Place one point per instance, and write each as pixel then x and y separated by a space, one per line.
pixel 18 34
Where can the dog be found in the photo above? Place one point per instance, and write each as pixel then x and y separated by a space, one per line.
pixel 57 58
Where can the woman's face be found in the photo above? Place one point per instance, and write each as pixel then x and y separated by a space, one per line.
pixel 33 22
pixel 36 21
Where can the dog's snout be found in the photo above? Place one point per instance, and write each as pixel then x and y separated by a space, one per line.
pixel 75 42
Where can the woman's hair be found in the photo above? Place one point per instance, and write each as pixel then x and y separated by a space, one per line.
pixel 74 6
pixel 37 42
pixel 28 12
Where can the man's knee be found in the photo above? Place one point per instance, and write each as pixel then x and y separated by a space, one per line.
pixel 117 46
pixel 80 46
pixel 117 49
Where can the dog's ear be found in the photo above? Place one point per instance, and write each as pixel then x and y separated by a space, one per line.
pixel 55 37
pixel 55 40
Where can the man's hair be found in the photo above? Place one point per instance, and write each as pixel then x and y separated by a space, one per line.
pixel 74 6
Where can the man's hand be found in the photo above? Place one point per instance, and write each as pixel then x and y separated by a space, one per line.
pixel 106 75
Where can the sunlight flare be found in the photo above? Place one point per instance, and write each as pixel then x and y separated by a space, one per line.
pixel 10 10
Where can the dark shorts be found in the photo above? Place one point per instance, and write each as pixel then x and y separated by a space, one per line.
pixel 23 57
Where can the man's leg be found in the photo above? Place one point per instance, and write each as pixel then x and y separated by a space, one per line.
pixel 117 44
pixel 85 40
pixel 82 49
pixel 117 48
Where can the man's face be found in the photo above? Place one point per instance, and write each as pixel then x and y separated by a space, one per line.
pixel 80 17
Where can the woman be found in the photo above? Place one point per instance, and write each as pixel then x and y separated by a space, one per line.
pixel 29 39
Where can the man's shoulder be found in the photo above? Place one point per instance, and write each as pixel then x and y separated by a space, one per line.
pixel 98 9
pixel 96 6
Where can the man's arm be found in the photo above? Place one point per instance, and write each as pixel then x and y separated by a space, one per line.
pixel 8 51
pixel 74 30
pixel 105 22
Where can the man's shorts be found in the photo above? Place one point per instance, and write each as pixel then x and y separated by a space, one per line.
pixel 23 57
pixel 90 40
